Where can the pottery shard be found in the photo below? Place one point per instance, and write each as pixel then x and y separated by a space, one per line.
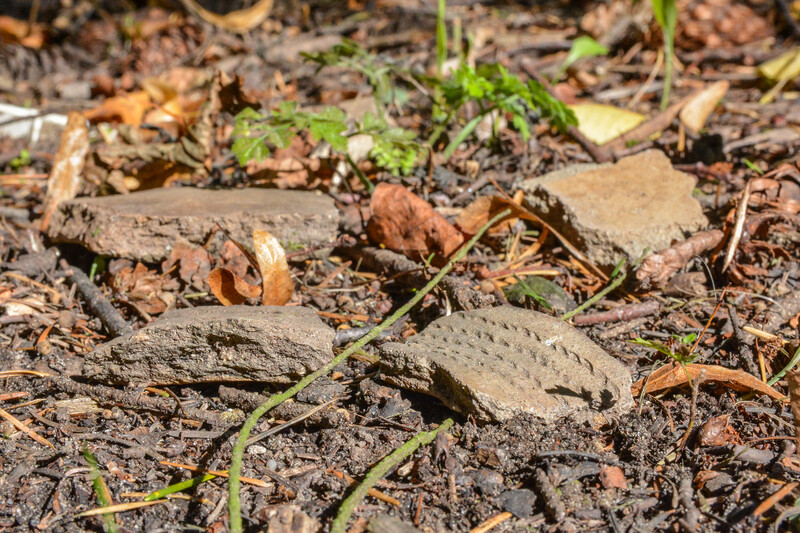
pixel 498 363
pixel 146 225
pixel 614 211
pixel 216 343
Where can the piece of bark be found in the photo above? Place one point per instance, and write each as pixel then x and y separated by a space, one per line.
pixel 657 269
pixel 618 314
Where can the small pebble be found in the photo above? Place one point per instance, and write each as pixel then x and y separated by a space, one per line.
pixel 256 449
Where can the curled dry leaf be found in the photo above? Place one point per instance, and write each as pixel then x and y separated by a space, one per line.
pixel 674 375
pixel 697 110
pixel 657 269
pixel 229 288
pixel 276 280
pixel 125 108
pixel 193 262
pixel 65 178
pixel 240 21
pixel 405 223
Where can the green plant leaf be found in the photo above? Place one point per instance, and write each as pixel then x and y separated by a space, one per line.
pixel 329 124
pixel 250 149
pixel 666 14
pixel 582 47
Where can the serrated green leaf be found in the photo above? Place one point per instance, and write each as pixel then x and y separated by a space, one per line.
pixel 250 148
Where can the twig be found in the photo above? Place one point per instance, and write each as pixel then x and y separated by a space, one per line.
pixel 692 408
pixel 616 282
pixel 397 265
pixel 745 353
pixel 736 236
pixel 619 314
pixel 491 523
pixel 378 495
pixel 773 499
pixel 234 503
pixel 339 524
pixel 552 498
pixel 132 400
pixel 98 303
pixel 687 500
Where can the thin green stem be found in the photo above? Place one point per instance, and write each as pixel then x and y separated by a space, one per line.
pixel 234 484
pixel 362 178
pixel 339 524
pixel 463 134
pixel 178 487
pixel 101 491
pixel 789 366
pixel 616 282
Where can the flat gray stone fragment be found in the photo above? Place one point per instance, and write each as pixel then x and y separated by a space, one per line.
pixel 498 363
pixel 615 211
pixel 144 226
pixel 216 343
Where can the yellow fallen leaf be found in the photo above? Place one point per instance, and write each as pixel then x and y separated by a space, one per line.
pixel 240 21
pixel 695 113
pixel 602 123
pixel 784 67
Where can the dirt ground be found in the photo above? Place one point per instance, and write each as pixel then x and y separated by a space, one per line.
pixel 710 455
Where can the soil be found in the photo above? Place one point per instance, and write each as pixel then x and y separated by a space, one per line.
pixel 709 455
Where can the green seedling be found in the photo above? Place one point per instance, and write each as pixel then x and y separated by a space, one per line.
pixel 493 88
pixel 520 291
pixel 441 38
pixel 394 149
pixel 381 74
pixel 582 47
pixel 100 490
pixel 22 160
pixel 752 166
pixel 678 348
pixel 666 14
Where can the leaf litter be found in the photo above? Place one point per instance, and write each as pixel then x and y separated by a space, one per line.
pixel 445 155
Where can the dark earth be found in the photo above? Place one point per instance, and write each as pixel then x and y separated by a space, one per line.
pixel 709 455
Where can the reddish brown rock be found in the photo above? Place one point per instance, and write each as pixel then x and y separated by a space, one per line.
pixel 405 223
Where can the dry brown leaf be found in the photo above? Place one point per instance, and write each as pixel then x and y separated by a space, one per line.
pixel 229 288
pixel 194 264
pixel 478 213
pixel 697 110
pixel 276 280
pixel 674 375
pixel 126 108
pixel 65 178
pixel 405 223
pixel 240 21
pixel 14 31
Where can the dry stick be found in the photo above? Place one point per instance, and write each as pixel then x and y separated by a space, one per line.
pixel 793 380
pixel 339 524
pixel 625 312
pixel 234 503
pixel 98 303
